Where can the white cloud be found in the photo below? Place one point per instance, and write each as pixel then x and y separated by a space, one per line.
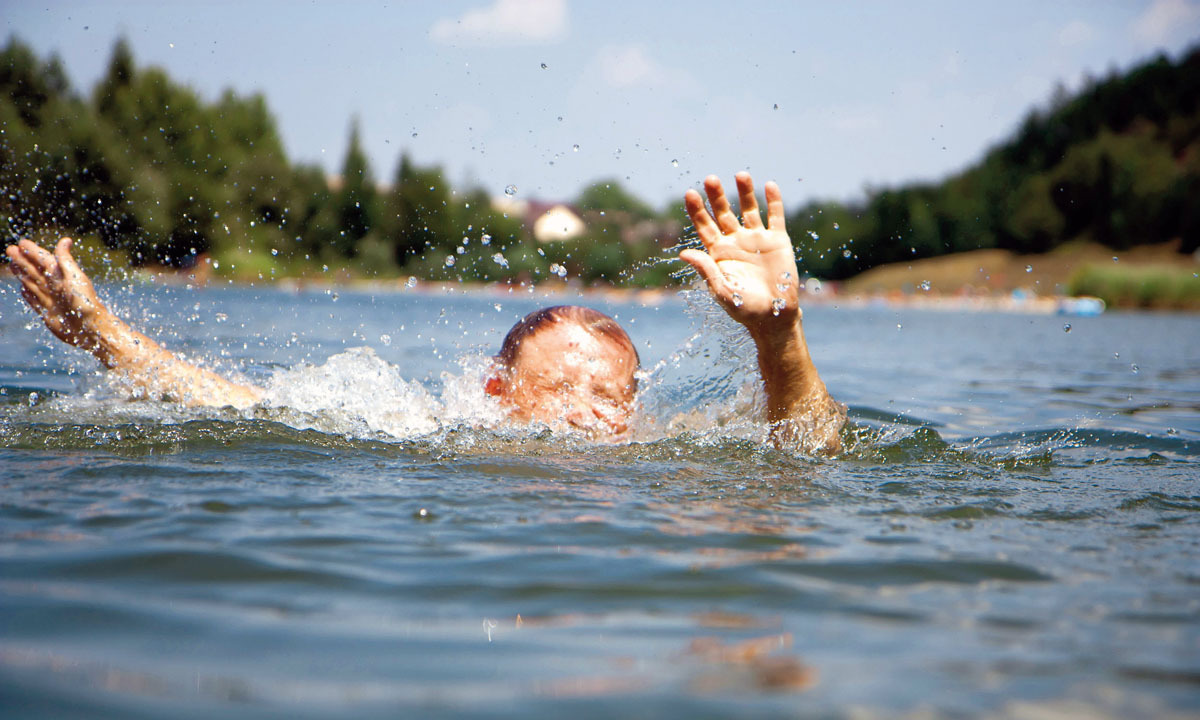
pixel 629 66
pixel 505 22
pixel 1076 33
pixel 1167 20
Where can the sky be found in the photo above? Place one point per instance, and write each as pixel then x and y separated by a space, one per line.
pixel 828 99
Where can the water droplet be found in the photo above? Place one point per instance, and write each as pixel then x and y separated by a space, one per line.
pixel 385 339
pixel 510 190
pixel 1028 268
pixel 1067 327
pixel 486 239
pixel 776 106
pixel 777 305
pixel 837 227
pixel 1116 259
pixel 221 317
pixel 1133 368
pixel 785 276
pixel 674 163
pixel 411 282
pixel 500 260
pixel 925 285
pixel 558 270
pixel 898 326
pixel 736 299
pixel 812 234
pixel 545 66
pixel 846 253
pixel 450 261
pixel 575 147
pixel 461 250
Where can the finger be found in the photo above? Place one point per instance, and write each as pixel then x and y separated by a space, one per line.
pixel 706 228
pixel 12 251
pixel 747 202
pixel 775 216
pixel 722 212
pixel 35 296
pixel 38 255
pixel 707 268
pixel 70 268
pixel 29 273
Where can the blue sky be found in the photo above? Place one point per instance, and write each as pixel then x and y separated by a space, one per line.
pixel 826 98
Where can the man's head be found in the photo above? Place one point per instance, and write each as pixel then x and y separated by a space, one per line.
pixel 568 364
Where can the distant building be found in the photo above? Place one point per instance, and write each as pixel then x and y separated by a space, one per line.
pixel 546 221
pixel 557 224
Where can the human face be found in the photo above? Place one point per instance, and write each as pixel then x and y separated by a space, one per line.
pixel 566 376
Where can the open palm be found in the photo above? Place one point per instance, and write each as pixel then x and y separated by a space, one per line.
pixel 750 268
pixel 58 290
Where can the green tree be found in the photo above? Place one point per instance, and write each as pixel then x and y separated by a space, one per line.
pixel 419 209
pixel 356 199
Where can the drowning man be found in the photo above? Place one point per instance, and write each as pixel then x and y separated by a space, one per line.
pixel 564 365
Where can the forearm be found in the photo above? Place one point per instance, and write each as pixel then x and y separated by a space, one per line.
pixel 150 368
pixel 799 406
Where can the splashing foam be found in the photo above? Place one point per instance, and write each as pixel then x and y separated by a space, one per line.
pixel 358 393
pixel 709 386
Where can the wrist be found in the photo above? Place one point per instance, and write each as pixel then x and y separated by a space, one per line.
pixel 113 342
pixel 783 336
pixel 789 377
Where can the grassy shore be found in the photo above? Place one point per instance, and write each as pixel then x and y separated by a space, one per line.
pixel 1145 286
pixel 1148 276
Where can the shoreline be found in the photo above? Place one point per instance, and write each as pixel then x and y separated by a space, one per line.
pixel 932 300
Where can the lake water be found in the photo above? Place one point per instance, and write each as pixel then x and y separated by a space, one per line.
pixel 1015 531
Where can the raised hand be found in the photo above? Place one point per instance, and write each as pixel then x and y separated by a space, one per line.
pixel 750 269
pixel 59 291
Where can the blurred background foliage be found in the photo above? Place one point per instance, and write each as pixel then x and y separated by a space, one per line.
pixel 145 169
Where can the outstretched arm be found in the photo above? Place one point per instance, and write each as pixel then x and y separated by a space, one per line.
pixel 60 292
pixel 751 271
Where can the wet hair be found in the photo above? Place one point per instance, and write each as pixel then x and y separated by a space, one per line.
pixel 594 321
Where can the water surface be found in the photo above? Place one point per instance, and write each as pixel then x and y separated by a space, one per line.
pixel 1014 530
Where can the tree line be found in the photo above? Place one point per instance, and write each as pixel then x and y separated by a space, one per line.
pixel 149 168
pixel 1116 163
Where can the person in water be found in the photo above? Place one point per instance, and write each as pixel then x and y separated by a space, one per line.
pixel 564 365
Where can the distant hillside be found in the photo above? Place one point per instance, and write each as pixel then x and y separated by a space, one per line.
pixel 1117 163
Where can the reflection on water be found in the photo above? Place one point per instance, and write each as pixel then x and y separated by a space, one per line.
pixel 1007 534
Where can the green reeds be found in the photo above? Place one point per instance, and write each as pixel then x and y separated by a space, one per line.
pixel 1146 286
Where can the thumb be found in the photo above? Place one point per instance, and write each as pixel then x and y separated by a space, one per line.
pixel 707 268
pixel 62 253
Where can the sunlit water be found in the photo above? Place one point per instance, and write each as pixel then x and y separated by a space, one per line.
pixel 1014 530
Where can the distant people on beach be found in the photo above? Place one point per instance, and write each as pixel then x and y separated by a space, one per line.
pixel 565 366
